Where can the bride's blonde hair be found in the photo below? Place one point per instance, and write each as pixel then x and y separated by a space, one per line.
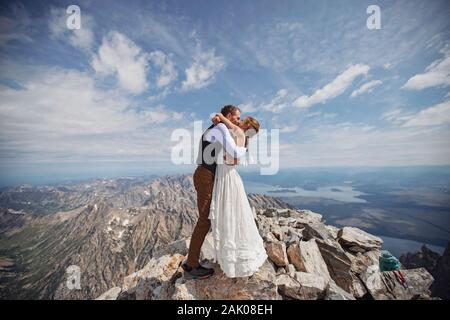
pixel 254 124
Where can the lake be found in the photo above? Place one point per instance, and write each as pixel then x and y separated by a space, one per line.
pixel 399 246
pixel 344 193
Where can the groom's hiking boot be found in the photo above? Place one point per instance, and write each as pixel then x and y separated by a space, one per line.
pixel 199 272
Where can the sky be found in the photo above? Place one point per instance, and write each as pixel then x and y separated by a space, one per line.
pixel 110 94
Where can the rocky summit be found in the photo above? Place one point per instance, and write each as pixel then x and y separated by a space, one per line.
pixel 107 228
pixel 437 265
pixel 307 259
pixel 127 237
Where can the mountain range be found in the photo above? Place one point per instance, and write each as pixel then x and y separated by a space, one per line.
pixel 129 234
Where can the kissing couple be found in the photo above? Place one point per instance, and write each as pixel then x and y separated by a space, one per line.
pixel 222 201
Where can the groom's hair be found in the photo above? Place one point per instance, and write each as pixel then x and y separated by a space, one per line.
pixel 229 109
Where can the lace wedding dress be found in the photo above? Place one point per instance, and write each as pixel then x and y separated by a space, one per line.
pixel 238 247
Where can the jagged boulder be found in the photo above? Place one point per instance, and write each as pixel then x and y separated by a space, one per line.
pixel 260 286
pixel 333 230
pixel 278 232
pixel 360 264
pixel 308 215
pixel 306 257
pixel 441 273
pixel 290 268
pixel 338 263
pixel 265 226
pixel 425 258
pixel 390 285
pixel 362 261
pixel 289 221
pixel 437 265
pixel 357 240
pixel 302 286
pixel 161 279
pixel 334 292
pixel 111 294
pixel 153 282
pixel 277 253
pixel 314 230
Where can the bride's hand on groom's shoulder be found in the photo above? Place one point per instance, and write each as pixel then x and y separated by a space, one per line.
pixel 215 119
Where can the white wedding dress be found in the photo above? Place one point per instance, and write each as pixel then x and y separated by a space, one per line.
pixel 239 249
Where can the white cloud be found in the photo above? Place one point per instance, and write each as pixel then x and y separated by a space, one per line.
pixel 67 116
pixel 202 72
pixel 288 129
pixel 394 116
pixel 278 103
pixel 120 56
pixel 334 88
pixel 275 105
pixel 325 115
pixel 357 144
pixel 436 115
pixel 160 95
pixel 366 88
pixel 167 67
pixel 326 46
pixel 82 39
pixel 247 107
pixel 158 115
pixel 437 74
pixel 313 114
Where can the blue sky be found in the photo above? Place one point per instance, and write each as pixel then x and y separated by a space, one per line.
pixel 112 92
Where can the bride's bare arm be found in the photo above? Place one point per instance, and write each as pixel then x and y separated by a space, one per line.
pixel 225 121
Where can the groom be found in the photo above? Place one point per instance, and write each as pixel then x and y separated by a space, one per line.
pixel 215 137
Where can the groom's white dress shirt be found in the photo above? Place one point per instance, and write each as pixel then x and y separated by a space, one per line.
pixel 221 134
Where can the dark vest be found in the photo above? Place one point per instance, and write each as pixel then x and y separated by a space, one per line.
pixel 210 165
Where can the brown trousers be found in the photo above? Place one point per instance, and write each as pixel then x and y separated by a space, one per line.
pixel 203 183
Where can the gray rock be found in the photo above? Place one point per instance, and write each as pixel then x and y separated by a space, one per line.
pixel 357 240
pixel 290 268
pixel 153 282
pixel 277 253
pixel 358 288
pixel 260 286
pixel 334 292
pixel 306 257
pixel 388 285
pixel 295 232
pixel 284 213
pixel 111 294
pixel 278 232
pixel 362 261
pixel 303 286
pixel 316 231
pixel 333 230
pixel 269 237
pixel 293 239
pixel 307 215
pixel 338 263
pixel 270 212
pixel 281 270
pixel 287 221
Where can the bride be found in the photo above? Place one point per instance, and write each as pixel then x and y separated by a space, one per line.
pixel 238 246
